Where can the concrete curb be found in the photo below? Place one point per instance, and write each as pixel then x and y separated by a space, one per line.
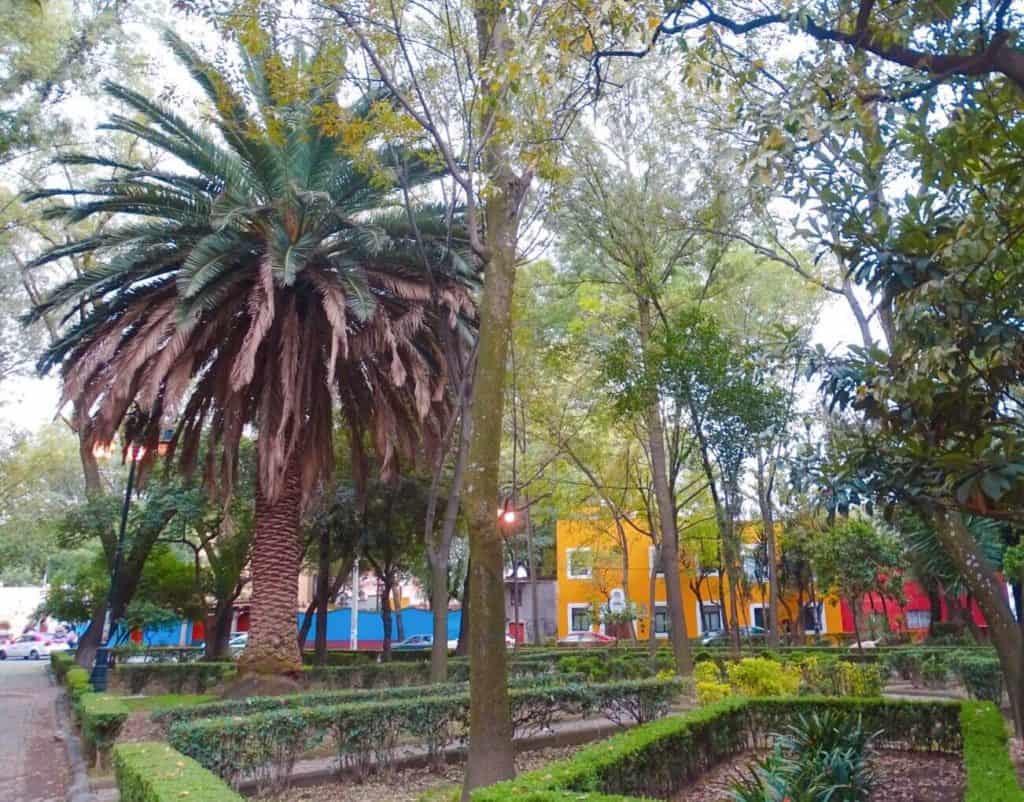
pixel 79 790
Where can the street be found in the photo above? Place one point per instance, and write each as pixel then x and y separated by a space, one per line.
pixel 33 763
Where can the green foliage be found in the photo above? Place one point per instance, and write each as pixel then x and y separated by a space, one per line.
pixel 77 683
pixel 101 718
pixel 991 775
pixel 935 669
pixel 830 676
pixel 154 772
pixel 61 663
pixel 265 745
pixel 818 758
pixel 172 677
pixel 857 557
pixel 982 676
pixel 756 676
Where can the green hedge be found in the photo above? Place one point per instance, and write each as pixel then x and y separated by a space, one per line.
pixel 171 677
pixel 153 772
pixel 168 716
pixel 264 746
pixel 101 718
pixel 660 759
pixel 61 663
pixel 77 680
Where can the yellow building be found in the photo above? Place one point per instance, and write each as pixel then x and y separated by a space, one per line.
pixel 591 571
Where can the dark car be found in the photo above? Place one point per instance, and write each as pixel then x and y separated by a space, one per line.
pixel 721 637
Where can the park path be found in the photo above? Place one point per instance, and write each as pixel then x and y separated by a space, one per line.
pixel 33 762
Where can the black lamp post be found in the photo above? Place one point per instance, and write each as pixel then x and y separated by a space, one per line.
pixel 101 663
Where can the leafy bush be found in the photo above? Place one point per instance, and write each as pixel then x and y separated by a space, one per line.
pixel 61 663
pixel 829 676
pixel 101 718
pixel 820 758
pixel 757 676
pixel 982 677
pixel 78 683
pixel 172 677
pixel 265 745
pixel 153 772
pixel 934 670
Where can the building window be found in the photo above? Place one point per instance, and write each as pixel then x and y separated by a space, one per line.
pixel 579 618
pixel 813 620
pixel 660 619
pixel 919 619
pixel 710 618
pixel 654 561
pixel 578 563
pixel 758 616
pixel 755 564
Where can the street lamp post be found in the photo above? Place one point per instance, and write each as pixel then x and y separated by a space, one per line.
pixel 101 663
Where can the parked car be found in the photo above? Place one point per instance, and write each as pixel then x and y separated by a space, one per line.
pixel 32 646
pixel 237 643
pixel 587 639
pixel 721 637
pixel 418 642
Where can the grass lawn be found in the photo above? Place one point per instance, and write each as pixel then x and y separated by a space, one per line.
pixel 165 700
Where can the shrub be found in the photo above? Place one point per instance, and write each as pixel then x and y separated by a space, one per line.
pixel 828 676
pixel 934 670
pixel 153 772
pixel 78 683
pixel 61 663
pixel 757 676
pixel 101 718
pixel 982 676
pixel 265 745
pixel 172 677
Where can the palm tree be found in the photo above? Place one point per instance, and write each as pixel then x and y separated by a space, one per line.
pixel 259 279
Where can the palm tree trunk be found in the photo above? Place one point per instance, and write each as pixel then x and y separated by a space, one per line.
pixel 272 647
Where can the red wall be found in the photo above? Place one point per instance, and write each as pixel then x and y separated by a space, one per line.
pixel 917 599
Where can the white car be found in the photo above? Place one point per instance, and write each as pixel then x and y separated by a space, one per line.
pixel 34 646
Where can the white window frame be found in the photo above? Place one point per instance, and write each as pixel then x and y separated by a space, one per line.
pixel 589 608
pixel 652 552
pixel 758 606
pixel 700 618
pixel 568 564
pixel 927 613
pixel 821 618
pixel 664 606
pixel 749 550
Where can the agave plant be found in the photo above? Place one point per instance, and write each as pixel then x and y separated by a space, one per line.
pixel 258 280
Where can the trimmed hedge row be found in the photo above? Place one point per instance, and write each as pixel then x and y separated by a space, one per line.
pixel 153 772
pixel 261 704
pixel 61 663
pixel 100 718
pixel 265 746
pixel 171 677
pixel 660 759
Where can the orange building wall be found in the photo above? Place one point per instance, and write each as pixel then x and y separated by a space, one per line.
pixel 607 573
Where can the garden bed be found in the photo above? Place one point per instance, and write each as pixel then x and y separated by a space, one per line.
pixel 900 776
pixel 410 784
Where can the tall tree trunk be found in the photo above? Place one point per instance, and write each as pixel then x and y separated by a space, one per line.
pixel 652 594
pixel 385 615
pixel 987 588
pixel 396 597
pixel 462 647
pixel 439 552
pixel 307 624
pixel 534 567
pixel 323 579
pixel 272 647
pixel 85 651
pixel 855 612
pixel 768 522
pixel 218 630
pixel 666 511
pixel 490 728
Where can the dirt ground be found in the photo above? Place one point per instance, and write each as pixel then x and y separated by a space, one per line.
pixel 899 777
pixel 410 785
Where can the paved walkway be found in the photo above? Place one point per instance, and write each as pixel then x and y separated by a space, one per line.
pixel 33 763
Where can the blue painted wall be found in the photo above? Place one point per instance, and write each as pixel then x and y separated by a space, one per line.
pixel 371 627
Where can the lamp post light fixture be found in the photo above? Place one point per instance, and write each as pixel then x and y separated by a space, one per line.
pixel 507 512
pixel 136 451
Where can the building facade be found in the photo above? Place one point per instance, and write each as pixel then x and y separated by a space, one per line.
pixel 595 573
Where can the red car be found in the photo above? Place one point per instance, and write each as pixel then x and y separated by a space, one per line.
pixel 587 639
